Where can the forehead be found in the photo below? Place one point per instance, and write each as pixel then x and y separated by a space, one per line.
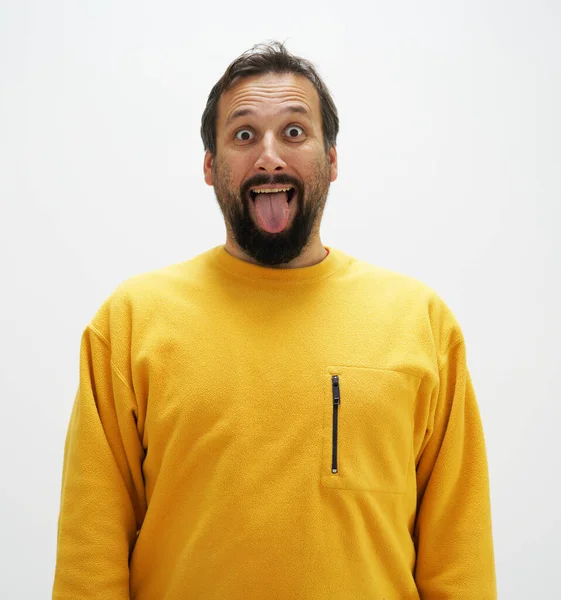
pixel 268 94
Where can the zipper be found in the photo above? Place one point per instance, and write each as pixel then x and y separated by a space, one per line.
pixel 336 402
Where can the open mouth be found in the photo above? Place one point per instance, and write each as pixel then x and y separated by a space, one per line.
pixel 288 190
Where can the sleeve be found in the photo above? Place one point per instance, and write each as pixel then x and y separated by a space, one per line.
pixel 453 532
pixel 102 497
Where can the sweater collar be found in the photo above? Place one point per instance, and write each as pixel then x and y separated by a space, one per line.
pixel 235 266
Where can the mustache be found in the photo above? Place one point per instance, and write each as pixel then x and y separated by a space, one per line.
pixel 263 179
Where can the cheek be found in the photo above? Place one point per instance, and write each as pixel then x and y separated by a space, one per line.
pixel 307 160
pixel 312 169
pixel 238 170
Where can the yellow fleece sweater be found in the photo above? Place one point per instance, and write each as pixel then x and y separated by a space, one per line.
pixel 250 433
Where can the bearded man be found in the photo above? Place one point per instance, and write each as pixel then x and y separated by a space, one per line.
pixel 274 418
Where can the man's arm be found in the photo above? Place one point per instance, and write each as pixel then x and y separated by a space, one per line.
pixel 102 499
pixel 453 533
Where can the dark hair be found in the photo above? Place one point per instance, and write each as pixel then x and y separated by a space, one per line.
pixel 260 60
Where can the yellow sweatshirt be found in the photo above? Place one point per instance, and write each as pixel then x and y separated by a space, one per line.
pixel 251 433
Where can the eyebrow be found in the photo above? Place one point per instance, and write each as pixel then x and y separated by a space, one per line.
pixel 294 108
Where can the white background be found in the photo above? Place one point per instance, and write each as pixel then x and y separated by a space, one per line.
pixel 450 171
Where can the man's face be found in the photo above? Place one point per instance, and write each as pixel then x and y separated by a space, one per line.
pixel 269 137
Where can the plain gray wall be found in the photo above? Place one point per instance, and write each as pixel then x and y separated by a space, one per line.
pixel 450 162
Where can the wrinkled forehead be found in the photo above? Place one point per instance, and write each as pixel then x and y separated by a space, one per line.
pixel 268 95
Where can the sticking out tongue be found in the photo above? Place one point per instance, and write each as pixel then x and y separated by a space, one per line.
pixel 272 211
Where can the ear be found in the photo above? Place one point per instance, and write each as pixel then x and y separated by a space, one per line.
pixel 207 167
pixel 332 155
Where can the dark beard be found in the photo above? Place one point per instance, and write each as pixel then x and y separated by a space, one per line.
pixel 272 249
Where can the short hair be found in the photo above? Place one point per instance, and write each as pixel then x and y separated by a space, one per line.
pixel 261 59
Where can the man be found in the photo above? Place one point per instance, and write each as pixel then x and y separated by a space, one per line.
pixel 274 419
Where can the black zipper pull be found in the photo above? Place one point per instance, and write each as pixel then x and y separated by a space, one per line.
pixel 336 402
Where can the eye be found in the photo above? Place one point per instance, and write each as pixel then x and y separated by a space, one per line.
pixel 294 131
pixel 244 135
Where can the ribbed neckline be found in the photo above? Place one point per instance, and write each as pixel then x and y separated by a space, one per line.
pixel 329 265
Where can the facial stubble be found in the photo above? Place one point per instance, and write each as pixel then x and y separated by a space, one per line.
pixel 272 249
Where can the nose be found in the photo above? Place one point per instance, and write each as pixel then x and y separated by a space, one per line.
pixel 269 158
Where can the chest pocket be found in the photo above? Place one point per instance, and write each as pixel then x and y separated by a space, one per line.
pixel 367 428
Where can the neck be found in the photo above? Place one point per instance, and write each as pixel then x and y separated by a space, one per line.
pixel 312 254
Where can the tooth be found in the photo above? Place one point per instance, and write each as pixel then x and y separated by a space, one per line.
pixel 272 191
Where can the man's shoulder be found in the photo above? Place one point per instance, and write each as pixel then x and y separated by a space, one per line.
pixel 144 292
pixel 409 293
pixel 156 281
pixel 388 279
